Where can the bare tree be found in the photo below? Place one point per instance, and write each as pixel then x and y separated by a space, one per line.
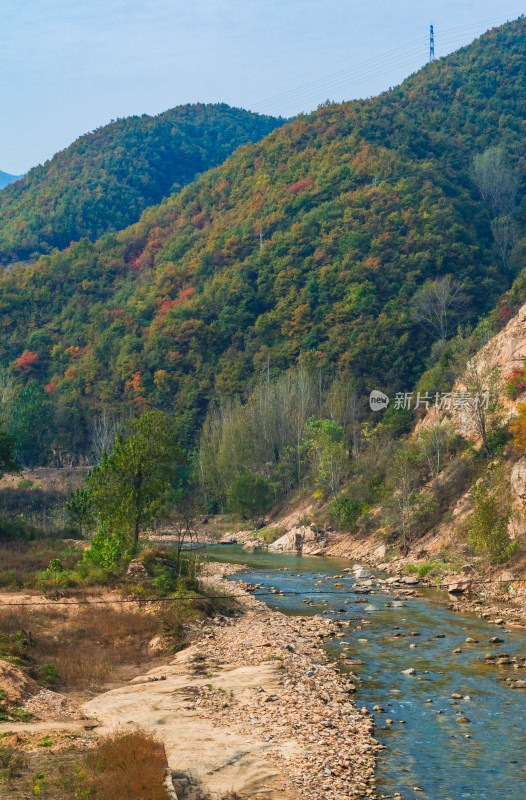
pixel 184 527
pixel 505 236
pixel 342 405
pixel 437 303
pixel 104 431
pixel 434 443
pixel 495 180
pixel 482 403
pixel 7 393
pixel 403 480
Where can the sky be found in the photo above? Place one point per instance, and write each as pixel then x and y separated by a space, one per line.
pixel 69 66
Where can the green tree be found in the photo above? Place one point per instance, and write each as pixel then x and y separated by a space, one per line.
pixel 328 454
pixel 132 486
pixel 79 509
pixel 28 423
pixel 250 495
pixel 488 530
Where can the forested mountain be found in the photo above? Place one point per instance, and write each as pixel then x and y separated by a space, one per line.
pixel 104 180
pixel 6 179
pixel 358 205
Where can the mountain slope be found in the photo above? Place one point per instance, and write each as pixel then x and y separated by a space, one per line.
pixel 106 179
pixel 358 204
pixel 6 179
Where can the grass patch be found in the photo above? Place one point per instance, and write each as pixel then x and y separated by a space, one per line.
pixel 269 535
pixel 430 568
pixel 22 562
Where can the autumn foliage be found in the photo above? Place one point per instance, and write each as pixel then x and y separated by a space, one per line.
pixel 314 239
pixel 26 362
pixel 516 383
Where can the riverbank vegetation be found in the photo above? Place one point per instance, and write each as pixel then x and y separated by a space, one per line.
pixel 124 765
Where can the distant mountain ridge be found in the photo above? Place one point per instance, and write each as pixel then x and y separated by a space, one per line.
pixel 6 179
pixel 359 205
pixel 105 179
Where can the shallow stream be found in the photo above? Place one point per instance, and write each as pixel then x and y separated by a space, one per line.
pixel 430 749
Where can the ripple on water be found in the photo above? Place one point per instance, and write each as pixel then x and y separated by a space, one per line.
pixel 427 745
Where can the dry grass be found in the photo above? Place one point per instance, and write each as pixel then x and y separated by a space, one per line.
pixel 21 561
pixel 128 765
pixel 125 765
pixel 99 641
pixel 86 647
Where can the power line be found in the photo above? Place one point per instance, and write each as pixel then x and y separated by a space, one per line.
pixel 344 70
pixel 341 78
pixel 397 57
pixel 276 593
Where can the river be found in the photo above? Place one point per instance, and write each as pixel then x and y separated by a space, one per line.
pixel 426 746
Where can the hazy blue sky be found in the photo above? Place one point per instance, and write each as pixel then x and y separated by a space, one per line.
pixel 68 66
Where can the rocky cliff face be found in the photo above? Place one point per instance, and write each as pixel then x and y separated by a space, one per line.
pixel 493 364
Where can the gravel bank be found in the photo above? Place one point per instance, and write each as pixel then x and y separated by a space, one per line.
pixel 312 704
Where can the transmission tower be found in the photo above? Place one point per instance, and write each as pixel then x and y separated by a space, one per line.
pixel 431 43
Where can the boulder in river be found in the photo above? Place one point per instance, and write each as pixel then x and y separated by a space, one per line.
pixel 459 587
pixel 361 574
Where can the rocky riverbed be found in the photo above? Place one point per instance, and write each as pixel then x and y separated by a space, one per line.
pixel 313 704
pixel 255 707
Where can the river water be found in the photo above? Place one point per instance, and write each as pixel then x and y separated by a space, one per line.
pixel 426 746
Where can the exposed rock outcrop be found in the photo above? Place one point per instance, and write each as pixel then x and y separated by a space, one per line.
pixel 302 540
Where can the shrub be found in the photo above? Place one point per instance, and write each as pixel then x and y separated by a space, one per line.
pixel 46 674
pixel 12 762
pixel 128 765
pixel 518 431
pixel 107 549
pixel 516 383
pixel 166 582
pixel 346 512
pixel 488 528
pixel 270 535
